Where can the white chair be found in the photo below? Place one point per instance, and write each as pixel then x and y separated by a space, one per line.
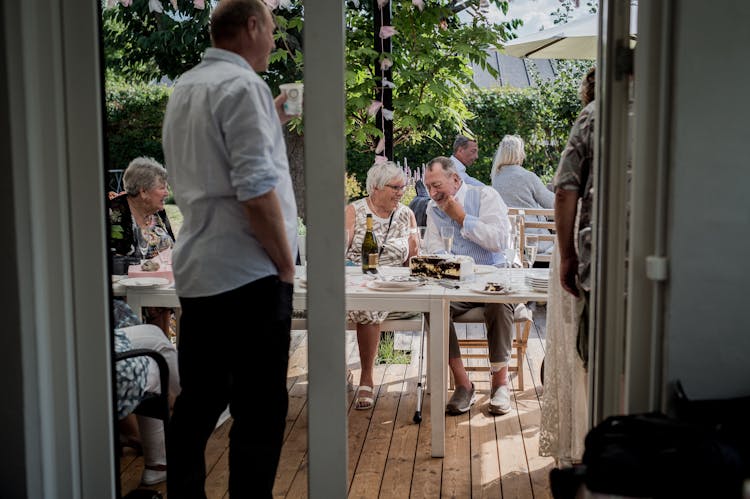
pixel 545 220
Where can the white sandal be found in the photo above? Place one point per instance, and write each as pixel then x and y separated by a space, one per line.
pixel 362 403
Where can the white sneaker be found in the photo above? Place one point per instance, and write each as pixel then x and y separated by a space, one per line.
pixel 500 401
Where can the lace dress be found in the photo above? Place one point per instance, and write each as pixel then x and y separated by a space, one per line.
pixel 565 399
pixel 395 246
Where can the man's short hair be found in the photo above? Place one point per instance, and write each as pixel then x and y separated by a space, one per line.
pixel 230 16
pixel 444 163
pixel 461 141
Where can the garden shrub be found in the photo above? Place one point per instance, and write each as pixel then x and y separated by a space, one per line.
pixel 135 112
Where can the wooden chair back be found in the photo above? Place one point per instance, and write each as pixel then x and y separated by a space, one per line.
pixel 547 222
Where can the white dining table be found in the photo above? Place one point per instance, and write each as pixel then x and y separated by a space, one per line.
pixel 429 298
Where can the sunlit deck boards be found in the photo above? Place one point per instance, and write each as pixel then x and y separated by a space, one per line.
pixel 389 455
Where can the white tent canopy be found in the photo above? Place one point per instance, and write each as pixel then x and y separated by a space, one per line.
pixel 574 40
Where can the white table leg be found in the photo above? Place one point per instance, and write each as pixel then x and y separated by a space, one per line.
pixel 438 362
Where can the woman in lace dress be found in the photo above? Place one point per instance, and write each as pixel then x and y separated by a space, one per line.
pixel 565 400
pixel 395 228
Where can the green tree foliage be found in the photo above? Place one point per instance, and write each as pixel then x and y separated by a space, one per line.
pixel 145 45
pixel 431 57
pixel 432 52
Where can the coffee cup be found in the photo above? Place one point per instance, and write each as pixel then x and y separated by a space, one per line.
pixel 293 91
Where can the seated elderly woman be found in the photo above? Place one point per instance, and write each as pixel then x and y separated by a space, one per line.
pixel 519 187
pixel 139 213
pixel 395 228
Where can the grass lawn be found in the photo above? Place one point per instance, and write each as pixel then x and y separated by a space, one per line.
pixel 175 217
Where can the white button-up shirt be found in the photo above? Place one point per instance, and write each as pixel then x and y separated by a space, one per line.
pixel 223 144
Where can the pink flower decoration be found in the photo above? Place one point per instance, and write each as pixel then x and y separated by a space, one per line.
pixel 126 3
pixel 381 146
pixel 418 4
pixel 387 32
pixel 386 64
pixel 373 109
pixel 381 159
pixel 199 4
pixel 382 3
pixel 155 6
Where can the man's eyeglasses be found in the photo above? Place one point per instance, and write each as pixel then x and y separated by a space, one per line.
pixel 396 188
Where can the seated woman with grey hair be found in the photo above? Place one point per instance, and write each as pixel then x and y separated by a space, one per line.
pixel 395 228
pixel 139 212
pixel 519 187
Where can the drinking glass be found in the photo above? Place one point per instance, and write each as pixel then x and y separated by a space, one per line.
pixel 422 247
pixel 142 238
pixel 446 234
pixel 530 249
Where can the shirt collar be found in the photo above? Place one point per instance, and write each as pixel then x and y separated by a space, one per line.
pixel 216 54
pixel 461 193
pixel 459 166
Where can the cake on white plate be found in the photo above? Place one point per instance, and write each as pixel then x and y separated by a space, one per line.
pixel 457 267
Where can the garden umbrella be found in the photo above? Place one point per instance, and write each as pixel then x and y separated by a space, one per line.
pixel 574 40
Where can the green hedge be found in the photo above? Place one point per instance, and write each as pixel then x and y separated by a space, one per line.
pixel 135 112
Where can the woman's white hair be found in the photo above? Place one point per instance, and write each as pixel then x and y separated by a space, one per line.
pixel 380 174
pixel 509 152
pixel 143 174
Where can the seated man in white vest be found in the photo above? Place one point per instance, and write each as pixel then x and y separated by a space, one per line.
pixel 481 227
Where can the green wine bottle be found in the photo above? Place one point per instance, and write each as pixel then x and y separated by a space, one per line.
pixel 370 249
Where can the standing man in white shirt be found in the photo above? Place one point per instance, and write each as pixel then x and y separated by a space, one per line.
pixel 481 227
pixel 465 153
pixel 233 266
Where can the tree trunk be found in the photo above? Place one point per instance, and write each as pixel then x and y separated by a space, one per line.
pixel 295 151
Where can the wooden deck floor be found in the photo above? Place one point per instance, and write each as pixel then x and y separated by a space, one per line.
pixel 389 455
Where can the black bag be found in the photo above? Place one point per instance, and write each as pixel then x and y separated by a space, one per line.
pixel 651 455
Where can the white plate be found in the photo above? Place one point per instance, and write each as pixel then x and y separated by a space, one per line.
pixel 485 269
pixel 143 282
pixel 480 289
pixel 393 285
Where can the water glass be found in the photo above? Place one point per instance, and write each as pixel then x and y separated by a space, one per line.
pixel 422 246
pixel 530 249
pixel 446 234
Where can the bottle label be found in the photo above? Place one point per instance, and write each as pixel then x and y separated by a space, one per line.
pixel 372 260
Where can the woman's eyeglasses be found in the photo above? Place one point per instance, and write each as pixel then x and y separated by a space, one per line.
pixel 396 188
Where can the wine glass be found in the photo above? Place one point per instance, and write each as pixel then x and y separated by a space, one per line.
pixel 446 234
pixel 422 246
pixel 530 249
pixel 142 238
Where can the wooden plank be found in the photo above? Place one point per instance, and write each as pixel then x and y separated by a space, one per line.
pixel 516 482
pixel 295 442
pixel 371 465
pixel 217 461
pixel 399 465
pixel 529 412
pixel 457 463
pixel 485 464
pixel 428 471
